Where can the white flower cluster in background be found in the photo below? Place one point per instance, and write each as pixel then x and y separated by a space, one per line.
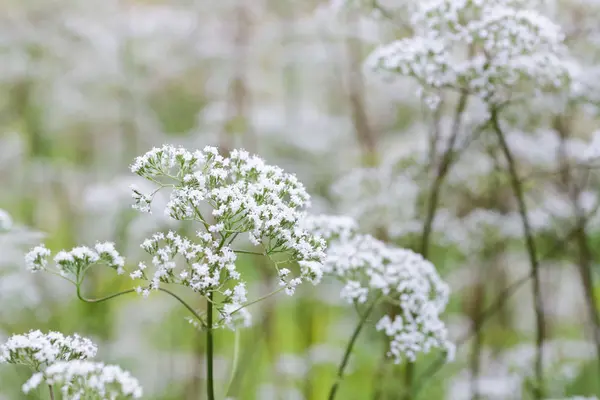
pixel 87 380
pixel 74 264
pixel 379 198
pixel 482 228
pixel 6 222
pixel 371 270
pixel 492 48
pixel 38 350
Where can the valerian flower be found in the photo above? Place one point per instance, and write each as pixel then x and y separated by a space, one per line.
pixel 73 264
pixel 228 197
pixel 372 270
pixel 87 380
pixel 38 350
pixel 494 49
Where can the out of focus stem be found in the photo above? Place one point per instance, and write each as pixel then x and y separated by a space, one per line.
pixel 51 392
pixel 349 348
pixel 515 181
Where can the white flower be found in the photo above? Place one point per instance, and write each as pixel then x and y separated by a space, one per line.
pixel 493 49
pixel 245 194
pixel 38 350
pixel 37 258
pixel 84 379
pixel 110 255
pixel 73 264
pixel 6 222
pixel 372 270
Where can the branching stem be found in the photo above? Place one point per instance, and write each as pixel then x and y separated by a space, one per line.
pixel 515 181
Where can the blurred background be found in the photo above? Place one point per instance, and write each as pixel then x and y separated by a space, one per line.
pixel 85 86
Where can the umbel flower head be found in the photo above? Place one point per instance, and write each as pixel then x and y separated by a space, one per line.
pixel 38 350
pixel 372 270
pixel 490 48
pixel 73 264
pixel 87 380
pixel 230 197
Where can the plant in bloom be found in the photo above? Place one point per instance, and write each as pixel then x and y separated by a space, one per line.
pixel 87 380
pixel 228 197
pixel 495 50
pixel 74 264
pixel 373 271
pixel 231 198
pixel 61 361
pixel 38 350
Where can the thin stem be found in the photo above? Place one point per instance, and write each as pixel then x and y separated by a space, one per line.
pixel 442 172
pixel 432 207
pixel 344 363
pixel 254 253
pixel 210 391
pixel 490 311
pixel 409 375
pixel 101 299
pixel 51 392
pixel 515 180
pixel 112 296
pixel 266 296
pixel 587 280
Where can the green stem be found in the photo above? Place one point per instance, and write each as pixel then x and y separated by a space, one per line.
pixel 409 374
pixel 346 358
pixel 51 392
pixel 210 391
pixel 518 191
pixel 112 296
pixel 248 252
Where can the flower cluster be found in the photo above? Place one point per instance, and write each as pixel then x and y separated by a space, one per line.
pixel 38 350
pixel 372 270
pixel 62 362
pixel 244 194
pixel 229 196
pixel 87 380
pixel 372 196
pixel 482 228
pixel 74 264
pixel 491 48
pixel 207 267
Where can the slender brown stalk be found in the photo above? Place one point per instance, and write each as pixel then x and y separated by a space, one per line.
pixel 442 172
pixel 587 281
pixel 490 311
pixel 515 181
pixel 432 207
pixel 475 362
pixel 364 133
pixel 569 183
pixel 238 95
pixel 51 390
